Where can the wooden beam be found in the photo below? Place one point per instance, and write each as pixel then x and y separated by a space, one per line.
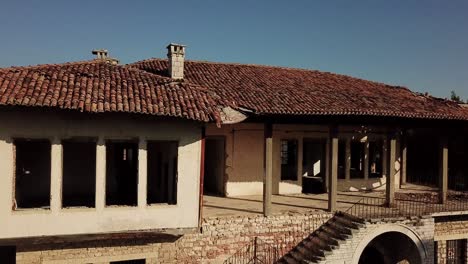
pixel 268 169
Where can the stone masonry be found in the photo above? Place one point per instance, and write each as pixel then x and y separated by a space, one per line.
pixel 219 238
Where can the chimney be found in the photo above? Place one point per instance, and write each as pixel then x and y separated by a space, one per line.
pixel 102 54
pixel 176 56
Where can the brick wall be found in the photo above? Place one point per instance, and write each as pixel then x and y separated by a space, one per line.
pixel 423 227
pixel 219 239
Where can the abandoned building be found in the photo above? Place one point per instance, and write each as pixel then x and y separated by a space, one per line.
pixel 179 161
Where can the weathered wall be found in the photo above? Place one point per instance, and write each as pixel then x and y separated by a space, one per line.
pixel 62 221
pixel 244 157
pixel 219 239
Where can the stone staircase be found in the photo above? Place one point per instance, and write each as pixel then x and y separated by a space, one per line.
pixel 325 240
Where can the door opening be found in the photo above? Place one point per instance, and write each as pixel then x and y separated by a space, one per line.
pixel 213 181
pixel 313 166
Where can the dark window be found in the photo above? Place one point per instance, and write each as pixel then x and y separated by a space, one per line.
pixel 162 172
pixel 289 159
pixel 375 159
pixel 133 261
pixel 121 173
pixel 79 173
pixel 341 159
pixel 32 173
pixel 456 251
pixel 8 254
pixel 357 160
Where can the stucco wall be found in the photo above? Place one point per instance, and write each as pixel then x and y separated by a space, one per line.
pixel 58 221
pixel 244 157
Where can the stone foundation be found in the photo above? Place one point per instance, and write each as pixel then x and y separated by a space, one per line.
pixel 219 239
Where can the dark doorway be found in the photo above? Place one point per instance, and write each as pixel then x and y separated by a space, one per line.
pixel 213 182
pixel 8 254
pixel 423 159
pixel 313 165
pixel 370 256
pixel 162 172
pixel 121 173
pixel 79 172
pixel 390 248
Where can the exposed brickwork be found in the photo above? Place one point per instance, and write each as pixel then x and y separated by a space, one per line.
pixel 219 239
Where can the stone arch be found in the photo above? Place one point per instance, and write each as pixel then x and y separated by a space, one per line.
pixel 389 228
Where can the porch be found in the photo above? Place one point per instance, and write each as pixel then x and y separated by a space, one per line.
pixel 410 200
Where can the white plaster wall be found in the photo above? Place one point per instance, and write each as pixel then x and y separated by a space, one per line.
pixel 58 221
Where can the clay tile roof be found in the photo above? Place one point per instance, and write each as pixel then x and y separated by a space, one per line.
pixel 277 90
pixel 96 86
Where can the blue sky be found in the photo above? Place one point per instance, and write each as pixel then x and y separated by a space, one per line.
pixel 419 44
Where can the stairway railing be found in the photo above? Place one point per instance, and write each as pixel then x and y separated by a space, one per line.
pixel 256 252
pixel 406 205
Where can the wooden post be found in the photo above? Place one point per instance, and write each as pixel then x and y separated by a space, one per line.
pixel 268 169
pixel 443 170
pixel 333 174
pixel 366 160
pixel 390 188
pixel 327 163
pixel 202 175
pixel 404 158
pixel 348 159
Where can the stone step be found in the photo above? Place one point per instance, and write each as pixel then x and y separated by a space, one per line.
pixel 310 252
pixel 340 228
pixel 350 217
pixel 288 259
pixel 324 236
pixel 347 223
pixel 334 233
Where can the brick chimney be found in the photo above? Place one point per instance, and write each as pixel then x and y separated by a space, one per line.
pixel 176 56
pixel 102 54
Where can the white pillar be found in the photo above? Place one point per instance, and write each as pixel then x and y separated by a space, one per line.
pixel 142 173
pixel 100 174
pixel 443 170
pixel 56 176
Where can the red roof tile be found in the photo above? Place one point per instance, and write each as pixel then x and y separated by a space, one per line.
pixel 277 90
pixel 96 86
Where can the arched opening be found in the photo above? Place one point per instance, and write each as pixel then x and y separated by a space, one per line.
pixel 391 247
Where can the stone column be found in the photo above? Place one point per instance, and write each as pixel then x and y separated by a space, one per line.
pixel 56 175
pixel 390 186
pixel 443 170
pixel 333 170
pixel 366 160
pixel 142 173
pixel 348 159
pixel 100 174
pixel 268 169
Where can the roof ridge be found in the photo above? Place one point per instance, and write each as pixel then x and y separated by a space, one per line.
pixel 274 67
pixel 53 64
